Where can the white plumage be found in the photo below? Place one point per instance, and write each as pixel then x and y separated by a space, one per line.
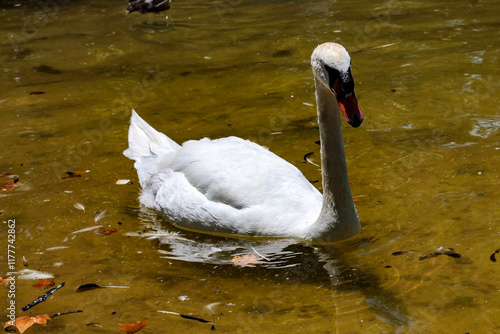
pixel 231 186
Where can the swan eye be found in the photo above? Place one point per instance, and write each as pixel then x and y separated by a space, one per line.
pixel 346 82
pixel 333 75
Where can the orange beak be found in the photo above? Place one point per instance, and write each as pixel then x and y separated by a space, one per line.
pixel 349 106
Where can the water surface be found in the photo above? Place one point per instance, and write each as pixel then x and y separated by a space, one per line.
pixel 424 164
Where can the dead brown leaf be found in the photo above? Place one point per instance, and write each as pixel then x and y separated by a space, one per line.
pixel 133 328
pixel 106 231
pixel 10 184
pixel 44 283
pixel 4 280
pixel 246 260
pixel 23 323
pixel 87 287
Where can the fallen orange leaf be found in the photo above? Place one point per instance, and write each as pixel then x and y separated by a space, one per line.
pixel 355 199
pixel 9 185
pixel 79 172
pixel 43 283
pixel 4 280
pixel 247 260
pixel 108 231
pixel 133 328
pixel 23 323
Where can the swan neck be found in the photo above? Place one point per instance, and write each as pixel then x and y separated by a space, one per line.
pixel 338 219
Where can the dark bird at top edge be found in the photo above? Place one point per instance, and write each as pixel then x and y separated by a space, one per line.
pixel 148 6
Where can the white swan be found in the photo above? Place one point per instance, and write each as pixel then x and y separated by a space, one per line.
pixel 231 186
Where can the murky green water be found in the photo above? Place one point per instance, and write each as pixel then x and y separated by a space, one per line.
pixel 424 163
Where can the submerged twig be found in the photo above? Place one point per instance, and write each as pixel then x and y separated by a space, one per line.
pixel 262 256
pixel 64 313
pixel 187 317
pixel 400 253
pixel 374 47
pixel 441 251
pixel 43 297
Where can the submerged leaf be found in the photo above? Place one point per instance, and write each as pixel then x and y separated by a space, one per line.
pixel 88 287
pixel 4 280
pixel 246 260
pixel 93 286
pixel 106 231
pixel 46 69
pixel 133 328
pixel 10 184
pixel 44 283
pixel 78 172
pixel 23 323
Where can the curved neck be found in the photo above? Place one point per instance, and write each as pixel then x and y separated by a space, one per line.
pixel 338 218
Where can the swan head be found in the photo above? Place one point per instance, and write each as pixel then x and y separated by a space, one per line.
pixel 332 66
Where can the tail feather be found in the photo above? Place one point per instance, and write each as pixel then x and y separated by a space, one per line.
pixel 145 141
pixel 152 152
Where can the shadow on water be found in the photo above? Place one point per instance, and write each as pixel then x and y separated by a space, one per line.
pixel 284 262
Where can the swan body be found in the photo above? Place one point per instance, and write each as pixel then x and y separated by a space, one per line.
pixel 232 186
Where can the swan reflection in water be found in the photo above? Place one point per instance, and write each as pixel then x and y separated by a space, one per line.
pixel 335 267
